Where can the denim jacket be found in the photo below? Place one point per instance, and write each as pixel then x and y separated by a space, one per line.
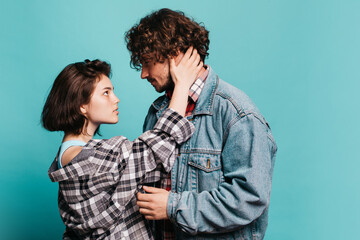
pixel 221 180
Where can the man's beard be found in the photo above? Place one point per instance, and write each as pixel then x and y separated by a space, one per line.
pixel 168 86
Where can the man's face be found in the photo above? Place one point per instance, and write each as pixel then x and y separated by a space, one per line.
pixel 158 74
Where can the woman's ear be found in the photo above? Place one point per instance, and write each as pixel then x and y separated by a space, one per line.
pixel 83 109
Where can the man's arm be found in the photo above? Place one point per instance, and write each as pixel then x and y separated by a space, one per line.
pixel 247 166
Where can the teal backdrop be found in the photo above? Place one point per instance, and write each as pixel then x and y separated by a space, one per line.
pixel 298 61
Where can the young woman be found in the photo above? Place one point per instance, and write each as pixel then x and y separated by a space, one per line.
pixel 99 178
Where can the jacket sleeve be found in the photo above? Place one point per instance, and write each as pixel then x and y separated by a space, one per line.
pixel 247 167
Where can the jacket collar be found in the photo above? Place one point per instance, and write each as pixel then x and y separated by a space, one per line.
pixel 205 102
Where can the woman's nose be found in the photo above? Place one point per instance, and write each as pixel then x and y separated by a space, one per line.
pixel 116 99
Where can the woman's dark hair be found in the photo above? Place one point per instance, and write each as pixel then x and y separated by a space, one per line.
pixel 72 88
pixel 164 33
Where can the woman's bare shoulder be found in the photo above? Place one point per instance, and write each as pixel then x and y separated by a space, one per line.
pixel 70 154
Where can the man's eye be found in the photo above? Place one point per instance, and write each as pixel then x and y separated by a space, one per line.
pixel 145 62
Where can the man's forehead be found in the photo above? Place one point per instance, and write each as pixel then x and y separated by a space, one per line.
pixel 147 55
pixel 152 57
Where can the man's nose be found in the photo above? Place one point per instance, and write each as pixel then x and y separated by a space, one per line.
pixel 144 72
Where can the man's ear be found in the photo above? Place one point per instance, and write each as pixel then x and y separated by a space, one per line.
pixel 178 58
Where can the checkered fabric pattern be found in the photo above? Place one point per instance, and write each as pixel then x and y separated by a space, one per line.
pixel 195 90
pixel 97 189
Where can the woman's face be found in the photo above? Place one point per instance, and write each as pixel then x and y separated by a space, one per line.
pixel 102 107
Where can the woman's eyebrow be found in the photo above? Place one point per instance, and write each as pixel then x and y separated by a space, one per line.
pixel 108 88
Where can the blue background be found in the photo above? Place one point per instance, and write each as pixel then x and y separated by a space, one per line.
pixel 298 61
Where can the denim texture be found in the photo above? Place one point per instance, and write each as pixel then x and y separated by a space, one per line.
pixel 221 180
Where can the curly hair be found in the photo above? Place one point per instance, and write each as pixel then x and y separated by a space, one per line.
pixel 163 34
pixel 72 88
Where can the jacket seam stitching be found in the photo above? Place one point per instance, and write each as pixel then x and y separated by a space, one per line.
pixel 239 109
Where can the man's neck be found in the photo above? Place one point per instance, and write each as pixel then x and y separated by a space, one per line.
pixel 169 91
pixel 203 69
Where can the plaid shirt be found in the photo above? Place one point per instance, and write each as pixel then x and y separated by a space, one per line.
pixel 164 227
pixel 97 189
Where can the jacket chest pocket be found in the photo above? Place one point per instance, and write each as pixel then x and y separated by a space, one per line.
pixel 204 171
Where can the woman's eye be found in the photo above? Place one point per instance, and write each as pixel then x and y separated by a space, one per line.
pixel 106 93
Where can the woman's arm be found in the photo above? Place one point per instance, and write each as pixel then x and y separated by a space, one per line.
pixel 184 75
pixel 158 146
pixel 171 128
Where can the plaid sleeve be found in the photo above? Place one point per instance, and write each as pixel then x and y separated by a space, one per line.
pixel 153 148
pixel 171 129
pixel 175 125
pixel 142 156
